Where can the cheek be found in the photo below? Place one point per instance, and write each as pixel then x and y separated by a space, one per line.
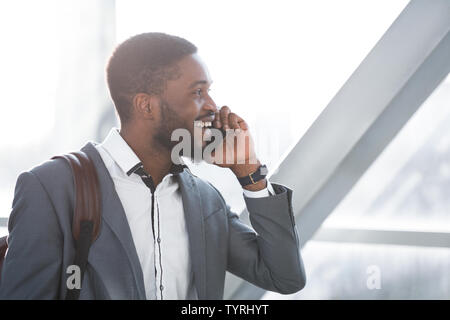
pixel 184 117
pixel 185 110
pixel 190 110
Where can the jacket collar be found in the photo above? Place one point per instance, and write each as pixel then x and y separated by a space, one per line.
pixel 114 216
pixel 125 157
pixel 193 212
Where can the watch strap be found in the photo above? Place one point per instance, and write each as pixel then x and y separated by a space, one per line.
pixel 254 177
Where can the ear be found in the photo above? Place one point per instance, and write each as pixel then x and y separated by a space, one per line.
pixel 145 105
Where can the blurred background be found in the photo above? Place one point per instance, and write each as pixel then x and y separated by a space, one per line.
pixel 278 64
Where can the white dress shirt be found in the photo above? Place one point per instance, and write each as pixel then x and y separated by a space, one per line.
pixel 164 256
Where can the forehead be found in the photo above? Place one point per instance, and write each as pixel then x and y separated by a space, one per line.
pixel 192 69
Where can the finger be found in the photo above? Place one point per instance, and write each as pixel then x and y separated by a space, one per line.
pixel 217 123
pixel 224 111
pixel 233 121
pixel 242 124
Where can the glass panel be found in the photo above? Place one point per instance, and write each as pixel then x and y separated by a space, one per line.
pixel 52 82
pixel 3 231
pixel 361 271
pixel 28 85
pixel 407 186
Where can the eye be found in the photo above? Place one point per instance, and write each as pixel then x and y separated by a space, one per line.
pixel 200 91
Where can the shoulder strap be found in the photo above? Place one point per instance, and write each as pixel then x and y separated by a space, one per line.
pixel 3 248
pixel 87 211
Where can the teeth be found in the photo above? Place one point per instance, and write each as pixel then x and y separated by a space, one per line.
pixel 201 124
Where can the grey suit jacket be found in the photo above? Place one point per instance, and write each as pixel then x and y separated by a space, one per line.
pixel 41 246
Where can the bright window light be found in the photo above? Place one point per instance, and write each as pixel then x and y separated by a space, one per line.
pixel 275 63
pixel 28 64
pixel 406 188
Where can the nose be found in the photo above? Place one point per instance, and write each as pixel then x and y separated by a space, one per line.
pixel 209 110
pixel 210 106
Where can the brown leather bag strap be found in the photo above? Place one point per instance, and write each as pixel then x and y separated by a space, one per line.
pixel 87 211
pixel 87 192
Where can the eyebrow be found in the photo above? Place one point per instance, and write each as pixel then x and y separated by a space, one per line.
pixel 197 83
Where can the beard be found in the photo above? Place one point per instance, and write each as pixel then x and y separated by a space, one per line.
pixel 170 121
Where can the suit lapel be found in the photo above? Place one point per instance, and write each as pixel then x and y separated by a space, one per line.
pixel 114 216
pixel 193 211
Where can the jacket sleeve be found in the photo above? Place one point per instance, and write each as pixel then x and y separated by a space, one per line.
pixel 270 257
pixel 32 265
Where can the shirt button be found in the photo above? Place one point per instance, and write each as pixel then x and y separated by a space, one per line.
pixel 159 240
pixel 161 287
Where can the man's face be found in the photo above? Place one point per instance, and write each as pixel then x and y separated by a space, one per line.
pixel 185 100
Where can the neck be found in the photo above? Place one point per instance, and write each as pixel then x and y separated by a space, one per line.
pixel 155 158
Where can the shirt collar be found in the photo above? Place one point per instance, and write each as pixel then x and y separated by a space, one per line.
pixel 124 156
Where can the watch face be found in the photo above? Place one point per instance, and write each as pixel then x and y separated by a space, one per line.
pixel 263 170
pixel 254 177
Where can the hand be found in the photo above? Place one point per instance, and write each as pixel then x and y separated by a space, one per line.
pixel 238 143
pixel 237 147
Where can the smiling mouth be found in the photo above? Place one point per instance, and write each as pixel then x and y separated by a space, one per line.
pixel 203 124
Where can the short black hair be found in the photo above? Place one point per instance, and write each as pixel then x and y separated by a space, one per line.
pixel 143 64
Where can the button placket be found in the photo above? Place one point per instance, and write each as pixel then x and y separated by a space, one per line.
pixel 148 181
pixel 158 247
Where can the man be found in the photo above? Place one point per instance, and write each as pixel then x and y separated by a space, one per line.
pixel 165 234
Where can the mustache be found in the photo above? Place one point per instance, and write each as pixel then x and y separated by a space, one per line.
pixel 210 116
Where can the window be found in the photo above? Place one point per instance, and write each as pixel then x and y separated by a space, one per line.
pixel 360 271
pixel 53 92
pixel 405 189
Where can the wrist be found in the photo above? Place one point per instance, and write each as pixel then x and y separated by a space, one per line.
pixel 249 170
pixel 260 185
pixel 242 170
